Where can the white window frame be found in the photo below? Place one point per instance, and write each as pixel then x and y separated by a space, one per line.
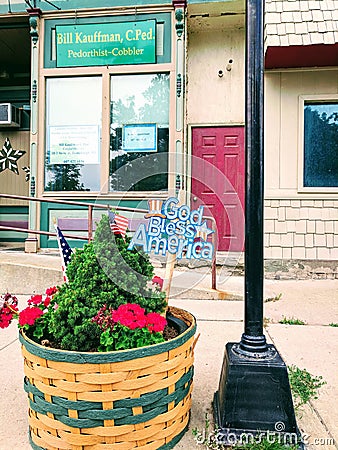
pixel 106 73
pixel 146 194
pixel 301 101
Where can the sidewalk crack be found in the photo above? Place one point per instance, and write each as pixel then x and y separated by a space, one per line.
pixel 7 345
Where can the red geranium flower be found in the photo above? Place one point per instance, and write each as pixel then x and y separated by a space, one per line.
pixel 130 315
pixel 29 315
pixel 51 290
pixel 5 321
pixel 35 300
pixel 155 322
pixel 8 309
pixel 6 317
pixel 46 301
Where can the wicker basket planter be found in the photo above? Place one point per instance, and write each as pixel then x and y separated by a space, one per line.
pixel 121 400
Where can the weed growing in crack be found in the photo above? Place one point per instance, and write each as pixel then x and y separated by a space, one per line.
pixel 273 299
pixel 304 386
pixel 291 321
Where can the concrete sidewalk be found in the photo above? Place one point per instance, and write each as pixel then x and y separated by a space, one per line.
pixel 312 346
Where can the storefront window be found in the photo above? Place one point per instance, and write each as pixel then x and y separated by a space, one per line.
pixel 321 144
pixel 73 134
pixel 139 132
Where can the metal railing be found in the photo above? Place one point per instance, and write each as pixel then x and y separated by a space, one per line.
pixel 91 207
pixel 214 243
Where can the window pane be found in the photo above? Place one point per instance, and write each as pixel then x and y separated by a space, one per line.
pixel 139 132
pixel 321 145
pixel 73 131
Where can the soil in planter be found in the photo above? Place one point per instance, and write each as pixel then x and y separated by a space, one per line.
pixel 169 333
pixel 180 314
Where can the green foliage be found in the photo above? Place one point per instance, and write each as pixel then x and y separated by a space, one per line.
pixel 207 437
pixel 40 329
pixel 266 444
pixel 104 272
pixel 332 324
pixel 303 385
pixel 292 321
pixel 123 338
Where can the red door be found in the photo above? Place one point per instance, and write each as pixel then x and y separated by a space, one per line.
pixel 217 169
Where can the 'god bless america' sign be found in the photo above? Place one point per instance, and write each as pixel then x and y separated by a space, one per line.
pixel 174 229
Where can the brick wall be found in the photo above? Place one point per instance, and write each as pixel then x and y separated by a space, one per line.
pixel 301 229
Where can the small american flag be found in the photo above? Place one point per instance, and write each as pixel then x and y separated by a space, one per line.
pixel 65 251
pixel 201 236
pixel 118 224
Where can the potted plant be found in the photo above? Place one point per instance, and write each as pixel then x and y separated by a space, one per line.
pixel 107 364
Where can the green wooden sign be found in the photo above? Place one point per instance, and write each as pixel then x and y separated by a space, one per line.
pixel 106 44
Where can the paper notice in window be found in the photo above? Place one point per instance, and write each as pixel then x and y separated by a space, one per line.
pixel 77 144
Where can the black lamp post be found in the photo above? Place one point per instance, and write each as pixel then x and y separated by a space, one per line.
pixel 254 394
pixel 253 339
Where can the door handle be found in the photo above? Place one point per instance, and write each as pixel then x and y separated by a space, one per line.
pixel 195 199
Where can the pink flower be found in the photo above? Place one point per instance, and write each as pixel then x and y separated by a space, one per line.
pixel 29 315
pixel 158 280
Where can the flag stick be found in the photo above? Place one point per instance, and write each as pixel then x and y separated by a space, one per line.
pixel 169 271
pixel 171 260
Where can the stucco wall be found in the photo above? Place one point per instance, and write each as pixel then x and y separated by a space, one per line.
pixel 212 99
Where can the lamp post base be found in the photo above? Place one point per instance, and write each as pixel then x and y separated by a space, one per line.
pixel 254 397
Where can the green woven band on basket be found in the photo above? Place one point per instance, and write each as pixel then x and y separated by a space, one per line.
pixel 174 441
pixel 169 446
pixel 34 446
pixel 105 357
pixel 92 414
